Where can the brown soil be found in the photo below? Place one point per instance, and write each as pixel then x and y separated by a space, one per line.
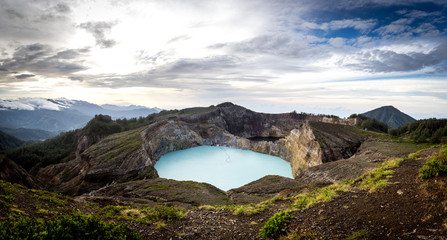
pixel 409 208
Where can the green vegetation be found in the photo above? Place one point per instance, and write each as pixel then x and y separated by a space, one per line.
pixel 428 130
pixel 8 142
pixel 158 213
pixel 374 179
pixel 275 225
pixel 54 199
pixel 101 126
pixel 304 234
pixel 27 134
pixel 49 152
pixel 248 209
pixel 359 235
pixel 435 166
pixel 165 213
pixel 371 124
pixel 79 226
pixel 325 194
pixel 6 195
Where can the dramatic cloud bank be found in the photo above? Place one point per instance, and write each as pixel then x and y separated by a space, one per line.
pixel 336 57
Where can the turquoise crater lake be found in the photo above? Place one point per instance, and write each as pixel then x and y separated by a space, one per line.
pixel 223 167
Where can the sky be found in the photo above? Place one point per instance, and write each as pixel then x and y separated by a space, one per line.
pixel 316 56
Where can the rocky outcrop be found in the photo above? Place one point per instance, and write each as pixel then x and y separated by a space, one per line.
pixel 132 155
pixel 160 190
pixel 11 172
pixel 262 189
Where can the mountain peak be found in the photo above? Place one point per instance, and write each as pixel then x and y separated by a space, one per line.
pixel 390 115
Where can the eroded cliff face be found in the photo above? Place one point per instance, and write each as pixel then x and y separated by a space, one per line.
pixel 132 155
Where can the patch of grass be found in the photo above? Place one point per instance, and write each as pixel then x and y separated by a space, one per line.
pixel 248 209
pixel 123 213
pixel 373 179
pixel 304 234
pixel 79 226
pixel 435 166
pixel 359 235
pixel 325 194
pixel 165 213
pixel 160 225
pixel 110 211
pixel 55 199
pixel 157 186
pixel 159 213
pixel 6 195
pixel 275 225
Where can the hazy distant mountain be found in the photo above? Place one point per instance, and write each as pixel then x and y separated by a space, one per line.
pixel 9 142
pixel 56 115
pixel 390 115
pixel 27 134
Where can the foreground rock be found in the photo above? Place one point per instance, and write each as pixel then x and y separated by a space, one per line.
pixel 160 190
pixel 262 189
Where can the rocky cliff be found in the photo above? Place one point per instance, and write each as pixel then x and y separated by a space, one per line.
pixel 132 155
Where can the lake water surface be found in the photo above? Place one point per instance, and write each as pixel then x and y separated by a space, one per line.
pixel 223 167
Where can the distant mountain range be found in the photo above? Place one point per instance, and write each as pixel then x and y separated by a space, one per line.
pixel 58 115
pixel 390 115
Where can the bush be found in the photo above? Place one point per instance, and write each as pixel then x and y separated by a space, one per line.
pixel 101 125
pixel 6 195
pixel 435 166
pixel 66 227
pixel 165 213
pixel 275 225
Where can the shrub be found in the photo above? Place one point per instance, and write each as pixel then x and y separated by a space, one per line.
pixel 275 225
pixel 435 166
pixel 78 226
pixel 6 195
pixel 165 213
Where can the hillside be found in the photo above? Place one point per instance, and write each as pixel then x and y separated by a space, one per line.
pixel 8 142
pixel 27 134
pixel 426 130
pixel 389 115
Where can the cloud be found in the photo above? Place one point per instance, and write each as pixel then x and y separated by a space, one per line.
pixel 396 27
pixel 24 76
pixel 280 44
pixel 40 21
pixel 187 73
pixel 419 13
pixel 337 42
pixel 389 61
pixel 41 59
pixel 99 30
pixel 30 104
